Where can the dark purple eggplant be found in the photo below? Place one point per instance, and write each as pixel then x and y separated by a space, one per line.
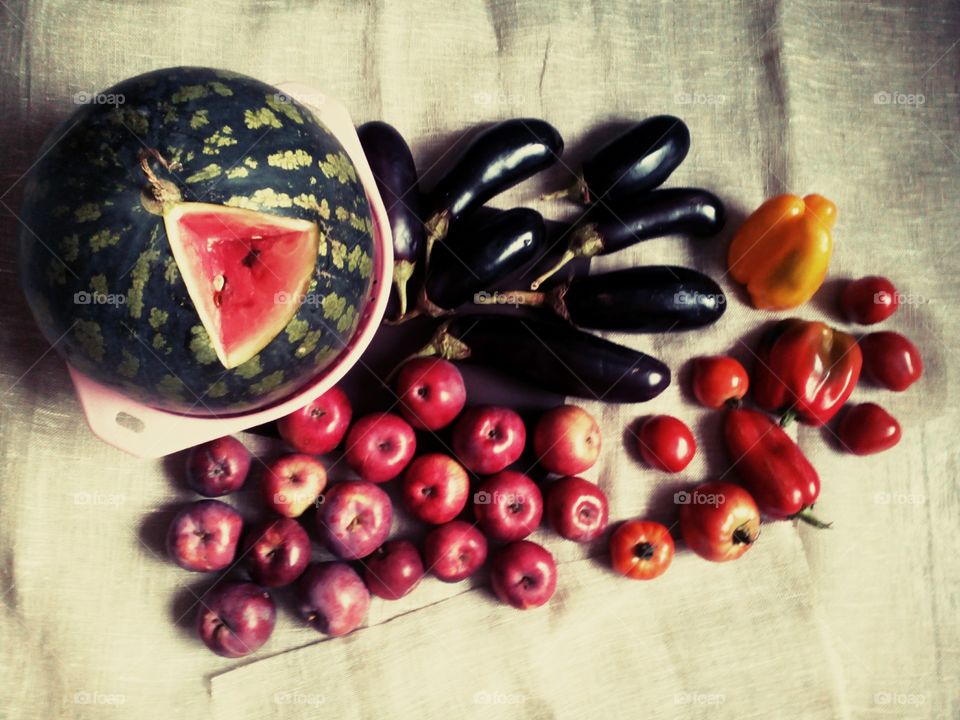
pixel 636 161
pixel 554 356
pixel 608 228
pixel 495 160
pixel 393 168
pixel 476 258
pixel 658 298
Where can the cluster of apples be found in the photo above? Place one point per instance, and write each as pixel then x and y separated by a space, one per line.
pixel 352 519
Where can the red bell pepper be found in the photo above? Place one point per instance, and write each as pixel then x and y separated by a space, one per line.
pixel 771 466
pixel 806 369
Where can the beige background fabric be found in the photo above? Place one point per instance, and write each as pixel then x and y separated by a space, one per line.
pixel 857 101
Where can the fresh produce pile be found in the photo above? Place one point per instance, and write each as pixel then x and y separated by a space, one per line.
pixel 479 504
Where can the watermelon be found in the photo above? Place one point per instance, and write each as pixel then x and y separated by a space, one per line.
pixel 203 244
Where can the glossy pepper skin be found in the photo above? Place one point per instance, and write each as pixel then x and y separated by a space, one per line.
pixel 770 465
pixel 807 369
pixel 782 250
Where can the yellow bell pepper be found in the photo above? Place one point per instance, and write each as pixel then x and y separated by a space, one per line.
pixel 782 250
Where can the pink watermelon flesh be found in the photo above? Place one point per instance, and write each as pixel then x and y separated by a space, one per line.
pixel 247 272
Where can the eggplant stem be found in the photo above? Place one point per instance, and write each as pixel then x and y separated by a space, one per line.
pixel 568 257
pixel 426 305
pixel 808 517
pixel 574 193
pixel 402 272
pixel 437 227
pixel 415 313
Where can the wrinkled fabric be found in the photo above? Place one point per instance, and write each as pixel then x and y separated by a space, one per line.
pixel 855 101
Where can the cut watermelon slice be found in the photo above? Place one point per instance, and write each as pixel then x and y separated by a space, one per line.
pixel 247 272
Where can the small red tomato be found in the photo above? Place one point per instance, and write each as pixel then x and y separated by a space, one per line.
pixel 666 443
pixel 718 380
pixel 719 521
pixel 890 360
pixel 641 550
pixel 868 428
pixel 869 300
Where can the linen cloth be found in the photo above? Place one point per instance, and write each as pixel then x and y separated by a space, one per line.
pixel 856 101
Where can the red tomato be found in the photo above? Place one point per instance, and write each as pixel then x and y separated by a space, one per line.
pixel 719 521
pixel 718 380
pixel 641 550
pixel 868 428
pixel 869 300
pixel 666 443
pixel 890 360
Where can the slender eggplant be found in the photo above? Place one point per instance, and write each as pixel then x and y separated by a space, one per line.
pixel 396 174
pixel 495 160
pixel 640 159
pixel 470 261
pixel 658 298
pixel 606 229
pixel 554 356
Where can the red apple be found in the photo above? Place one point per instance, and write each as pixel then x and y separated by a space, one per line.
pixel 577 509
pixel 431 392
pixel 454 551
pixel 487 439
pixel 332 598
pixel 393 570
pixel 435 488
pixel 318 427
pixel 523 575
pixel 277 552
pixel 354 519
pixel 379 446
pixel 236 618
pixel 293 483
pixel 218 467
pixel 508 506
pixel 567 440
pixel 203 536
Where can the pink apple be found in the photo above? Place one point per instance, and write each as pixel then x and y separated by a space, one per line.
pixel 317 428
pixel 567 440
pixel 277 552
pixel 454 551
pixel 523 574
pixel 293 483
pixel 354 519
pixel 508 506
pixel 332 598
pixel 218 467
pixel 236 618
pixel 379 446
pixel 487 439
pixel 431 392
pixel 393 570
pixel 435 488
pixel 577 509
pixel 203 536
